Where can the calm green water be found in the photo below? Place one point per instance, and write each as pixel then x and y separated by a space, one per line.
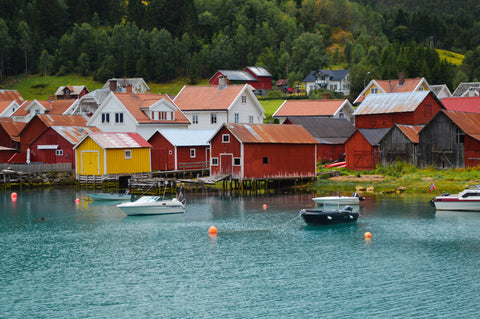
pixel 89 260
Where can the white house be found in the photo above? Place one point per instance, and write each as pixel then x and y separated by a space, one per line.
pixel 140 113
pixel 29 109
pixel 208 107
pixel 333 80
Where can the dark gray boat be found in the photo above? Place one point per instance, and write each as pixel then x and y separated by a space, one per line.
pixel 316 217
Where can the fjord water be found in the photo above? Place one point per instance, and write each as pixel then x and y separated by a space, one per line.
pixel 88 260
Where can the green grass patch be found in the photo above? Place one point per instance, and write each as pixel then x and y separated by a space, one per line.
pixel 451 57
pixel 270 107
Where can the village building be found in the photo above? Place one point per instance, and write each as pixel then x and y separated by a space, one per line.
pixel 89 103
pixel 8 107
pixel 208 107
pixel 467 89
pixel 362 149
pixel 180 149
pixel 332 80
pixel 441 91
pixel 10 133
pixel 112 153
pixel 470 104
pixel 71 92
pixel 141 113
pixel 330 133
pixel 263 151
pixel 342 109
pixel 55 145
pixel 386 110
pixel 401 85
pixel 127 85
pixel 282 85
pixel 258 77
pixel 400 144
pixel 11 95
pixel 31 108
pixel 6 153
pixel 450 140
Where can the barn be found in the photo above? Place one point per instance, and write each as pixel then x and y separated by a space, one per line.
pixel 362 149
pixel 259 151
pixel 400 144
pixel 180 149
pixel 450 140
pixel 386 110
pixel 106 153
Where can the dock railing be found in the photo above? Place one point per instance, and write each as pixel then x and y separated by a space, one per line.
pixel 37 168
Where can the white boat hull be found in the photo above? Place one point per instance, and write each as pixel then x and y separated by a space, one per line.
pixel 160 207
pixel 343 200
pixel 454 203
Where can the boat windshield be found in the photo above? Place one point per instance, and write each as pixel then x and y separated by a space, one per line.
pixel 145 199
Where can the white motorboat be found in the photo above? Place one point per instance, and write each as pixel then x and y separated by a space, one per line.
pixel 153 205
pixel 343 200
pixel 468 199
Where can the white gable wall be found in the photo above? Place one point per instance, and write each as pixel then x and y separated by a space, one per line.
pixel 110 106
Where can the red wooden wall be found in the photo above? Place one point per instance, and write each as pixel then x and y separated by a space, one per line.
pixel 330 152
pixel 5 155
pixel 33 130
pixel 51 137
pixel 5 139
pixel 264 83
pixel 163 153
pixel 225 153
pixel 360 155
pixel 472 151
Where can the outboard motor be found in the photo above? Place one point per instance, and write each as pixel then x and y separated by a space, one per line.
pixel 348 208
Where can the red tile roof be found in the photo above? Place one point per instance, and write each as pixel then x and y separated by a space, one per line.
pixel 309 108
pixel 62 120
pixel 271 133
pixel 135 103
pixel 12 128
pixel 57 107
pixel 11 95
pixel 207 97
pixel 469 104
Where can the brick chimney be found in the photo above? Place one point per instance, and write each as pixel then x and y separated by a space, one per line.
pixel 222 82
pixel 129 88
pixel 51 98
pixel 401 78
pixel 113 85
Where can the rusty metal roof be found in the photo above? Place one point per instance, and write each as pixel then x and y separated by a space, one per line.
pixel 74 134
pixel 391 102
pixel 109 140
pixel 469 123
pixel 271 133
pixel 411 131
pixel 373 135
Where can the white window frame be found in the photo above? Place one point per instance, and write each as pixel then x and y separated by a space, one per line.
pixel 105 117
pixel 59 152
pixel 237 159
pixel 128 154
pixel 213 118
pixel 237 117
pixel 214 161
pixel 244 99
pixel 195 119
pixel 225 138
pixel 250 119
pixel 119 117
pixel 374 90
pixel 192 153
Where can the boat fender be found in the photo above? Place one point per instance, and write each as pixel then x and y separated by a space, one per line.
pixel 329 217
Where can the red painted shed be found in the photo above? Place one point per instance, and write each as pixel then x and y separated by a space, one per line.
pixel 255 151
pixel 386 110
pixel 259 78
pixel 362 151
pixel 180 149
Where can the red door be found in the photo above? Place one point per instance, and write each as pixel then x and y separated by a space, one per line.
pixel 226 163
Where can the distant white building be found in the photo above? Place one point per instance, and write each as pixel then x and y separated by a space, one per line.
pixel 332 80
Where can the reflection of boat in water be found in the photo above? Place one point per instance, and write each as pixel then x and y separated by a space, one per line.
pixel 110 196
pixel 468 199
pixel 343 200
pixel 325 216
pixel 153 205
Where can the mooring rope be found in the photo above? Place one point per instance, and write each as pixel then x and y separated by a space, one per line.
pixel 255 230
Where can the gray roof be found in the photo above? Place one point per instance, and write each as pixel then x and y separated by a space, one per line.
pixel 123 82
pixel 391 102
pixel 463 87
pixel 374 135
pixel 187 137
pixel 233 75
pixel 258 71
pixel 334 75
pixel 326 130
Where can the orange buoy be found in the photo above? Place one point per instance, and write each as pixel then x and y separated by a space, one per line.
pixel 368 235
pixel 264 206
pixel 77 200
pixel 13 196
pixel 212 230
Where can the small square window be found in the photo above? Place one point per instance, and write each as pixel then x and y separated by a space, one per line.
pixel 225 138
pixel 237 117
pixel 213 118
pixel 250 119
pixel 214 161
pixel 244 99
pixel 128 154
pixel 59 152
pixel 195 119
pixel 192 152
pixel 265 160
pixel 236 161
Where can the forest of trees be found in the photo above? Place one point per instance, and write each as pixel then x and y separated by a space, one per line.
pixel 161 40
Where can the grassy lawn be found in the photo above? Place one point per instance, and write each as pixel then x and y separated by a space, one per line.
pixel 270 107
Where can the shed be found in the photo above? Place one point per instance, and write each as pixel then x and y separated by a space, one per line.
pixel 105 153
pixel 315 108
pixel 180 149
pixel 386 110
pixel 362 149
pixel 71 92
pixel 400 144
pixel 259 151
pixel 6 153
pixel 450 140
pixel 330 133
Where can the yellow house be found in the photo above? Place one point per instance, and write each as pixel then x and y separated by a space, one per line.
pixel 103 153
pixel 393 86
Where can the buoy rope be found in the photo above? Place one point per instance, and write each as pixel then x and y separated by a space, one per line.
pixel 262 229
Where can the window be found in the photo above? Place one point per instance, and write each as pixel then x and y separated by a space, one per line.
pixel 195 119
pixel 250 119
pixel 213 118
pixel 460 136
pixel 128 154
pixel 192 152
pixel 37 111
pixel 341 115
pixel 420 88
pixel 244 99
pixel 105 117
pixel 214 161
pixel 374 90
pixel 265 160
pixel 170 152
pixel 236 161
pixel 59 152
pixel 225 138
pixel 237 117
pixel 118 117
